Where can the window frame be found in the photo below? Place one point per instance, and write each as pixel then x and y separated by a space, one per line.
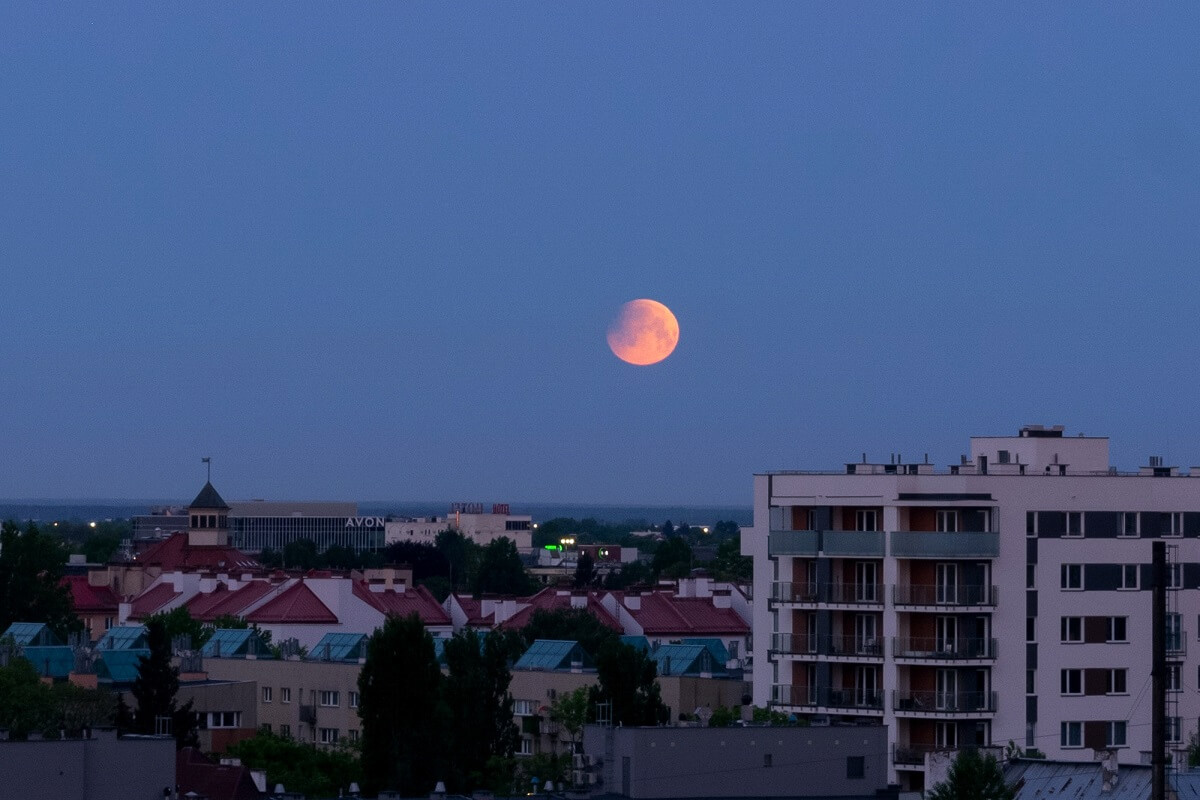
pixel 267 694
pixel 1174 525
pixel 1070 735
pixel 1114 685
pixel 1110 736
pixel 1111 637
pixel 1066 635
pixel 1070 578
pixel 1129 571
pixel 1077 516
pixel 1123 531
pixel 1068 676
pixel 285 694
pixel 325 696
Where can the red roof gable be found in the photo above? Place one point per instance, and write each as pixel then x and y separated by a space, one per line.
pixel 196 773
pixel 152 600
pixel 296 604
pixel 664 614
pixel 550 599
pixel 473 608
pixel 88 599
pixel 174 553
pixel 207 606
pixel 416 600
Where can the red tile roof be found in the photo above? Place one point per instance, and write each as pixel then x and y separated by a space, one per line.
pixel 174 553
pixel 88 599
pixel 550 599
pixel 415 600
pixel 662 613
pixel 207 606
pixel 473 608
pixel 196 773
pixel 296 604
pixel 152 600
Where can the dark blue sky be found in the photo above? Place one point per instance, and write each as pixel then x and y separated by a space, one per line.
pixel 372 251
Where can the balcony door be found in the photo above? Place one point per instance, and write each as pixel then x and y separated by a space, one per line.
pixel 866 633
pixel 947 690
pixel 947 635
pixel 866 686
pixel 946 591
pixel 866 519
pixel 866 579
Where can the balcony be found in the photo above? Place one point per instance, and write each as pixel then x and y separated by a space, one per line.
pixel 861 700
pixel 942 544
pixel 870 544
pixel 804 593
pixel 849 648
pixel 308 714
pixel 943 595
pixel 906 702
pixel 912 754
pixel 936 649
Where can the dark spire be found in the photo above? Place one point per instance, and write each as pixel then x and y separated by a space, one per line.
pixel 209 498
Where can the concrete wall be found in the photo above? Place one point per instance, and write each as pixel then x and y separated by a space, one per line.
pixel 101 768
pixel 737 762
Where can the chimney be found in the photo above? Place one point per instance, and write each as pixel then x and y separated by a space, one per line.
pixel 579 599
pixel 722 598
pixel 633 602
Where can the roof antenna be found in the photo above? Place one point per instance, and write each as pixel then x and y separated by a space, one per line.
pixel 208 463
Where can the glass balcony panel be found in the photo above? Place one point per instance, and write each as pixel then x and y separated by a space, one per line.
pixel 942 544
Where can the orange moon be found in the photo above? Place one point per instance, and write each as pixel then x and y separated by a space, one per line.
pixel 644 332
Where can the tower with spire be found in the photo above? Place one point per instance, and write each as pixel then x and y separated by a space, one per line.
pixel 208 519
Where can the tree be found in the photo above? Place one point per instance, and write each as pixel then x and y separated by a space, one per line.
pixel 426 560
pixel 632 573
pixel 568 624
pixel 482 730
pixel 101 546
pixel 501 570
pixel 570 711
pixel 973 777
pixel 730 564
pixel 673 558
pixel 31 588
pixel 301 554
pixel 403 718
pixel 179 622
pixel 155 687
pixel 315 772
pixel 586 575
pixel 627 680
pixel 25 703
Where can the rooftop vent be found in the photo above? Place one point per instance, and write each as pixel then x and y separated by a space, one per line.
pixel 1041 432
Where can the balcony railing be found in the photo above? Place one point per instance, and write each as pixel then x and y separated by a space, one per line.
pixel 845 593
pixel 824 697
pixel 793 543
pixel 943 649
pixel 830 543
pixel 912 753
pixel 943 702
pixel 943 544
pixel 921 594
pixel 842 646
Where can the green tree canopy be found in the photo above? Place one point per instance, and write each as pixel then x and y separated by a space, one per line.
pixel 482 731
pixel 730 564
pixel 403 719
pixel 315 772
pixel 501 570
pixel 301 554
pixel 626 678
pixel 586 575
pixel 571 710
pixel 155 688
pixel 31 572
pixel 973 777
pixel 569 624
pixel 179 622
pixel 673 558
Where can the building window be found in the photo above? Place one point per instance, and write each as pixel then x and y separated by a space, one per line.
pixel 1116 734
pixel 1129 577
pixel 1072 630
pixel 1129 524
pixel 1116 682
pixel 766 759
pixel 285 731
pixel 327 735
pixel 352 734
pixel 947 521
pixel 1116 630
pixel 865 519
pixel 1031 576
pixel 1003 457
pixel 108 623
pixel 1071 734
pixel 1174 576
pixel 265 727
pixel 856 768
pixel 1174 729
pixel 354 699
pixel 1029 681
pixel 524 708
pixel 1031 629
pixel 222 719
pixel 266 694
pixel 1071 577
pixel 1074 524
pixel 1174 526
pixel 1072 681
pixel 945 735
pixel 329 699
pixel 526 746
pixel 1174 681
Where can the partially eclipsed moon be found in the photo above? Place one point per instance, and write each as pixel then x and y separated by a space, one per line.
pixel 644 332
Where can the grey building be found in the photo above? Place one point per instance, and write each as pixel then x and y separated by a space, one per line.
pixel 102 767
pixel 736 762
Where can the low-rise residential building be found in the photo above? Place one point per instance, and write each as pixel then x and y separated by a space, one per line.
pixel 99 767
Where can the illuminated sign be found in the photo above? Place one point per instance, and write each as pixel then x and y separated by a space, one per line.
pixel 365 522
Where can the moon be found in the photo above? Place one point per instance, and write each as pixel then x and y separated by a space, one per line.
pixel 643 333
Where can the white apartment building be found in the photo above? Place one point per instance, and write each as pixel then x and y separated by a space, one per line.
pixel 1007 597
pixel 472 520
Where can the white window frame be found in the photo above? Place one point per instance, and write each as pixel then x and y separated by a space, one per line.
pixel 1129 578
pixel 285 730
pixel 1117 735
pixel 1174 576
pixel 1071 578
pixel 352 734
pixel 866 581
pixel 946 735
pixel 1069 636
pixel 1123 532
pixel 354 697
pixel 329 698
pixel 1077 517
pixel 328 735
pixel 1116 682
pixel 945 583
pixel 524 708
pixel 1174 729
pixel 1070 735
pixel 525 746
pixel 864 515
pixel 1174 525
pixel 266 694
pixel 1071 682
pixel 1112 637
pixel 285 694
pixel 1174 677
pixel 946 520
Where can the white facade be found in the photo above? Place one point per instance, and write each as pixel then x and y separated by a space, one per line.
pixel 903 595
pixel 482 528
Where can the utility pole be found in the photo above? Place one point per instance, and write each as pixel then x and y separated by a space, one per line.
pixel 1158 674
